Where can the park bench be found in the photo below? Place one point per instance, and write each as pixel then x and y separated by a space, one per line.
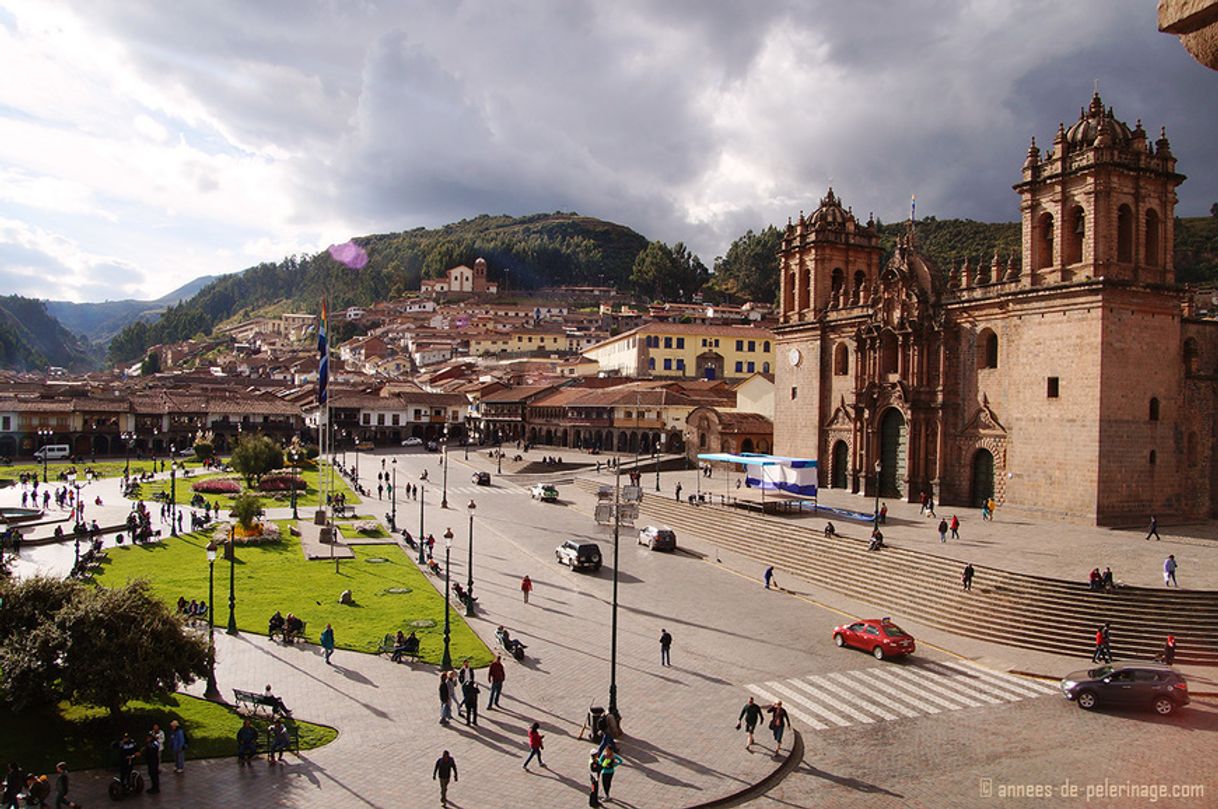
pixel 255 702
pixel 288 637
pixel 389 644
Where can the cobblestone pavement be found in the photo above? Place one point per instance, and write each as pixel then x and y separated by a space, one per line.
pixel 923 732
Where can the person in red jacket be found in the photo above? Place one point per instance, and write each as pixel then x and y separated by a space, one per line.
pixel 535 746
pixel 955 524
pixel 526 587
pixel 496 675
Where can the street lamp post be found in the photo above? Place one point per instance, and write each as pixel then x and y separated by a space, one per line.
pixel 617 523
pixel 44 435
pixel 469 584
pixel 446 663
pixel 655 457
pixel 212 692
pixel 876 517
pixel 499 450
pixel 357 457
pixel 393 498
pixel 232 577
pixel 128 442
pixel 75 528
pixel 422 544
pixel 173 490
pixel 444 492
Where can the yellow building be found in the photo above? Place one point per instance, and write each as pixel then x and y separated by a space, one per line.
pixel 687 350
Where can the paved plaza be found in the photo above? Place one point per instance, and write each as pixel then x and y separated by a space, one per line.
pixel 922 732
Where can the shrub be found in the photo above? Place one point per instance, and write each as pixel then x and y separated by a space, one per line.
pixel 281 482
pixel 217 486
pixel 204 450
pixel 247 508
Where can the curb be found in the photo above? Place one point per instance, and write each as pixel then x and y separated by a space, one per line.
pixel 763 786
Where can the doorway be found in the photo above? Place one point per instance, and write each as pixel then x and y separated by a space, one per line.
pixel 892 453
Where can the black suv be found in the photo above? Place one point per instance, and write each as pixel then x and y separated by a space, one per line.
pixel 482 478
pixel 1135 684
pixel 579 555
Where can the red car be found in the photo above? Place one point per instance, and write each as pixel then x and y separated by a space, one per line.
pixel 881 637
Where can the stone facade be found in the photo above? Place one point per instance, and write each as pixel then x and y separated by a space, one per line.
pixel 1073 381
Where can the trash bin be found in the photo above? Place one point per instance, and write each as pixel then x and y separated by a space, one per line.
pixel 596 723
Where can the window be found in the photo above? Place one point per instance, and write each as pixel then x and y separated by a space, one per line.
pixel 752 345
pixel 418 414
pixel 752 367
pixel 1154 409
pixel 667 364
pixel 1192 358
pixel 1077 229
pixel 716 342
pixel 680 364
pixel 987 349
pixel 680 342
pixel 1153 457
pixel 1054 388
pixel 766 346
pixel 841 360
pixel 380 419
pixel 704 342
pixel 1124 234
pixel 668 342
pixel 701 440
pixel 1152 238
pixel 1043 244
pixel 794 391
pixel 651 363
pixel 740 345
pixel 765 367
pixel 367 419
pixel 739 367
pixel 397 419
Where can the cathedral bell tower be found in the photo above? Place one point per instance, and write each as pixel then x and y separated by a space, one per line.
pixel 1100 203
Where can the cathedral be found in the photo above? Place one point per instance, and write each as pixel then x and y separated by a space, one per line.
pixel 1073 382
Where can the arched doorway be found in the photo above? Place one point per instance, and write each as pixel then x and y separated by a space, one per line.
pixel 746 445
pixel 892 453
pixel 841 458
pixel 983 477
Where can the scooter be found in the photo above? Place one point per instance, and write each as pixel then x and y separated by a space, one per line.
pixel 134 785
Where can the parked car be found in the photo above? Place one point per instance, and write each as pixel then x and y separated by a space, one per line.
pixel 1143 685
pixel 658 539
pixel 481 478
pixel 413 441
pixel 545 492
pixel 579 555
pixel 879 636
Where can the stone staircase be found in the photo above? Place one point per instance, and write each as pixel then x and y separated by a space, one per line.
pixel 1015 609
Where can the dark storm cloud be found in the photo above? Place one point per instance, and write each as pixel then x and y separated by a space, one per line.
pixel 685 120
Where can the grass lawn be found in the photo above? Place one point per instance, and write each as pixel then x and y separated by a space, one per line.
pixel 82 736
pixel 278 577
pixel 347 529
pixel 305 499
pixel 103 469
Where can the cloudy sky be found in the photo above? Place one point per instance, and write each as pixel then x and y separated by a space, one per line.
pixel 143 144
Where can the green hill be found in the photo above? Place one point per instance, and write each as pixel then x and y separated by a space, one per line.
pixel 530 251
pixel 31 339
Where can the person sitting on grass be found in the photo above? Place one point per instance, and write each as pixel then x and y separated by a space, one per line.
pixel 275 624
pixel 182 604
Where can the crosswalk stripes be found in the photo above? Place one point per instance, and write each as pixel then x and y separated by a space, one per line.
pixel 892 692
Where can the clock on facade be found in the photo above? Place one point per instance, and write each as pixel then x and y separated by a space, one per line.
pixel 795 356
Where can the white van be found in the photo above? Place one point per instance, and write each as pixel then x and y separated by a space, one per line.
pixel 53 452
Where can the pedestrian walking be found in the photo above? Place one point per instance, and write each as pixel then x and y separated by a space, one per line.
pixel 536 745
pixel 930 506
pixel 526 587
pixel 967 577
pixel 922 503
pixel 955 525
pixel 769 577
pixel 991 505
pixel 13 783
pixel 1169 650
pixel 61 788
pixel 445 770
pixel 177 746
pixel 1169 571
pixel 883 513
pixel 665 646
pixel 1103 647
pixel 496 675
pixel 455 693
pixel 943 530
pixel 594 778
pixel 470 692
pixel 778 723
pixel 152 757
pixel 1154 528
pixel 678 490
pixel 750 715
pixel 380 491
pixel 610 761
pixel 327 642
pixel 446 708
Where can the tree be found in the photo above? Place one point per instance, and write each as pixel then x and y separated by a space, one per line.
pixel 750 268
pixel 255 455
pixel 247 508
pixel 151 364
pixel 60 640
pixel 668 273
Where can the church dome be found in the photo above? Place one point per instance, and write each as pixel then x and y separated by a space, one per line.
pixel 830 213
pixel 1097 126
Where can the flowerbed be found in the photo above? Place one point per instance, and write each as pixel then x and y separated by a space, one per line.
pixel 217 486
pixel 281 483
pixel 260 533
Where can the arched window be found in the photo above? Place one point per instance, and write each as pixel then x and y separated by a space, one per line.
pixel 1154 409
pixel 805 288
pixel 841 360
pixel 765 367
pixel 651 363
pixel 788 293
pixel 1044 241
pixel 1152 238
pixel 701 440
pixel 860 279
pixel 1153 457
pixel 765 347
pixel 1124 234
pixel 987 349
pixel 1192 358
pixel 890 352
pixel 838 282
pixel 1076 229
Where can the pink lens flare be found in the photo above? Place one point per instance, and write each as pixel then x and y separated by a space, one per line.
pixel 349 254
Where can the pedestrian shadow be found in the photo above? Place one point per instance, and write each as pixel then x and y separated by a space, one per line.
pixel 641 752
pixel 353 675
pixel 846 781
pixel 372 709
pixel 707 677
pixel 484 737
pixel 563 779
